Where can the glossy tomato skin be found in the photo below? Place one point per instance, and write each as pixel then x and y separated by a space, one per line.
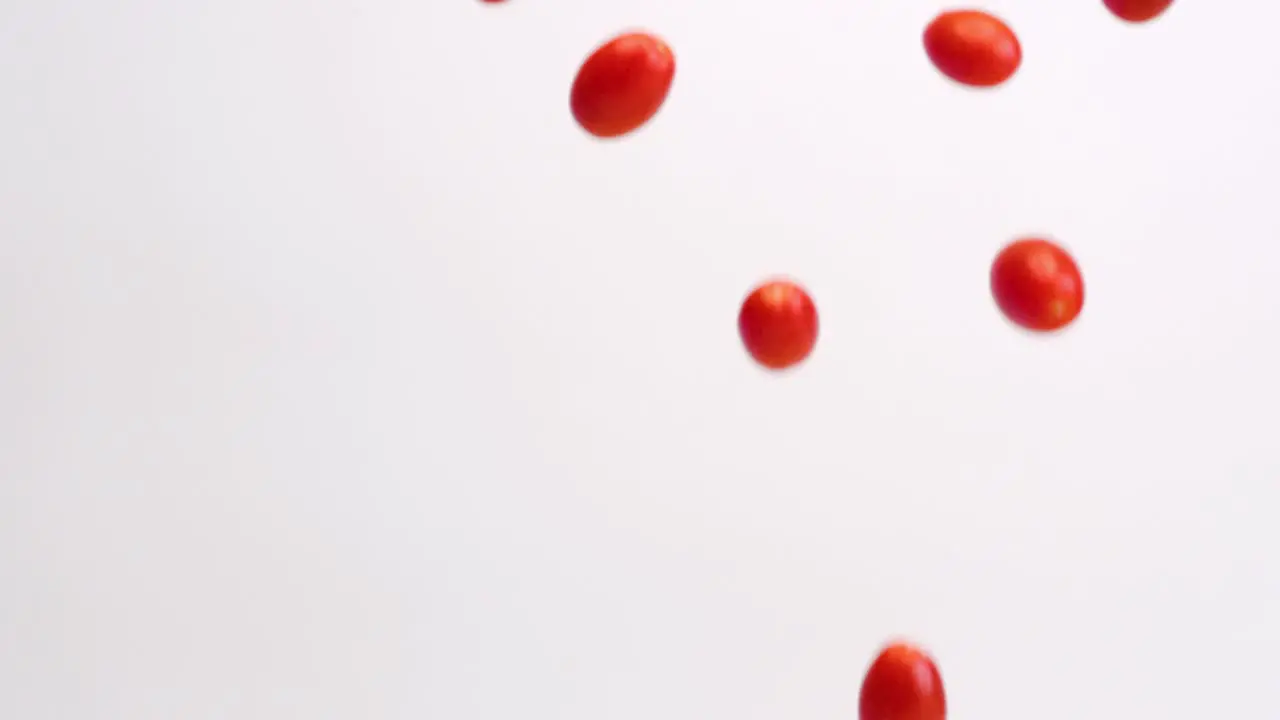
pixel 622 84
pixel 1037 285
pixel 778 324
pixel 902 683
pixel 973 47
pixel 1137 11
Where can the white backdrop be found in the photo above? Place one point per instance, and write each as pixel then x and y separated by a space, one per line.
pixel 342 376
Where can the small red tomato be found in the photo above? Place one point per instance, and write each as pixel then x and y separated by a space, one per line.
pixel 778 324
pixel 1136 11
pixel 902 684
pixel 622 84
pixel 973 47
pixel 1037 285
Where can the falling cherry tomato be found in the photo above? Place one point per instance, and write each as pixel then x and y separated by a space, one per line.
pixel 1136 11
pixel 622 84
pixel 1037 285
pixel 902 684
pixel 779 324
pixel 973 47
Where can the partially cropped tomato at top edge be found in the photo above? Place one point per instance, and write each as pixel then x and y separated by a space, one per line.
pixel 622 84
pixel 973 47
pixel 1137 11
pixel 903 683
pixel 778 324
pixel 1037 285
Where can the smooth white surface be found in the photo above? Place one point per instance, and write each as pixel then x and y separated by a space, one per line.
pixel 341 376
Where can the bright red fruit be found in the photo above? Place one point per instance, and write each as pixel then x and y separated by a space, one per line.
pixel 902 684
pixel 622 84
pixel 778 324
pixel 1037 285
pixel 973 47
pixel 1137 11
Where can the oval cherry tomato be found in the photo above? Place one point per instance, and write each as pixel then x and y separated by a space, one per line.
pixel 622 84
pixel 1037 285
pixel 973 47
pixel 902 684
pixel 779 324
pixel 1137 11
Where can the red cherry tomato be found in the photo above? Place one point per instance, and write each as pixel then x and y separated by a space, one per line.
pixel 902 684
pixel 1137 11
pixel 622 84
pixel 778 324
pixel 1037 285
pixel 973 47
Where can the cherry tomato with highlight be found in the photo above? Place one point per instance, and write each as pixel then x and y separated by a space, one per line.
pixel 622 84
pixel 1037 285
pixel 902 683
pixel 973 47
pixel 779 324
pixel 1137 11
